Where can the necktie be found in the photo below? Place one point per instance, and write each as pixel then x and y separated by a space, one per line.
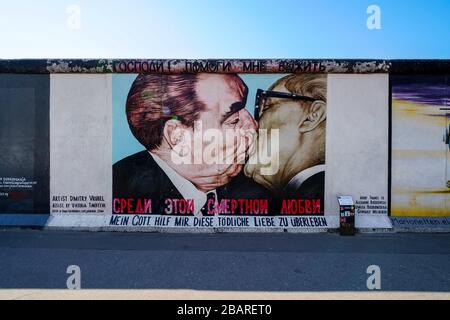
pixel 209 196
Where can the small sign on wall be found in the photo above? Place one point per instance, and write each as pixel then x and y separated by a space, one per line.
pixel 346 215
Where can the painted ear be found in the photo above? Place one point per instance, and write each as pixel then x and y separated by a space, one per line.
pixel 173 133
pixel 177 137
pixel 317 113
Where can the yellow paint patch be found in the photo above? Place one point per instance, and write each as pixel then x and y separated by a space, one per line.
pixel 420 112
pixel 419 212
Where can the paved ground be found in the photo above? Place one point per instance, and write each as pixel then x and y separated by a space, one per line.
pixel 155 294
pixel 278 263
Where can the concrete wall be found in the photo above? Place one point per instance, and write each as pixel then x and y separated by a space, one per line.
pixel 357 144
pixel 89 140
pixel 80 142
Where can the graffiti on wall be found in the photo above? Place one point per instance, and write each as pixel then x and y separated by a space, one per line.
pixel 420 145
pixel 204 148
pixel 247 148
pixel 24 144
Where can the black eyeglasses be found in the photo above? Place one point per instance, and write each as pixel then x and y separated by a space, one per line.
pixel 263 94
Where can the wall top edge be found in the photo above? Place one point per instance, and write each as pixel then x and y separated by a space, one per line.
pixel 251 66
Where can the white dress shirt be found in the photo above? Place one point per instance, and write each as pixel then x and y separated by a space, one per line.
pixel 184 186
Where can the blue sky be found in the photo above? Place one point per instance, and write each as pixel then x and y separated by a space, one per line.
pixel 224 29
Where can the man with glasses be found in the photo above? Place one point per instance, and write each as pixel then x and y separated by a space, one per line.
pixel 296 106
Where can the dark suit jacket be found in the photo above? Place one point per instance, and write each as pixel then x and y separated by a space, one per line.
pixel 311 188
pixel 140 177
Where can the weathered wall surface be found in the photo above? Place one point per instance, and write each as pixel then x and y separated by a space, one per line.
pixel 80 143
pixel 151 151
pixel 420 145
pixel 24 144
pixel 357 144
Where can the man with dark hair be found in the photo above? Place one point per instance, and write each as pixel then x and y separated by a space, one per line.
pixel 155 99
pixel 182 120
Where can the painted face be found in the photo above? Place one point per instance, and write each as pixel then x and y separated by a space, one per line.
pixel 221 134
pixel 284 115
